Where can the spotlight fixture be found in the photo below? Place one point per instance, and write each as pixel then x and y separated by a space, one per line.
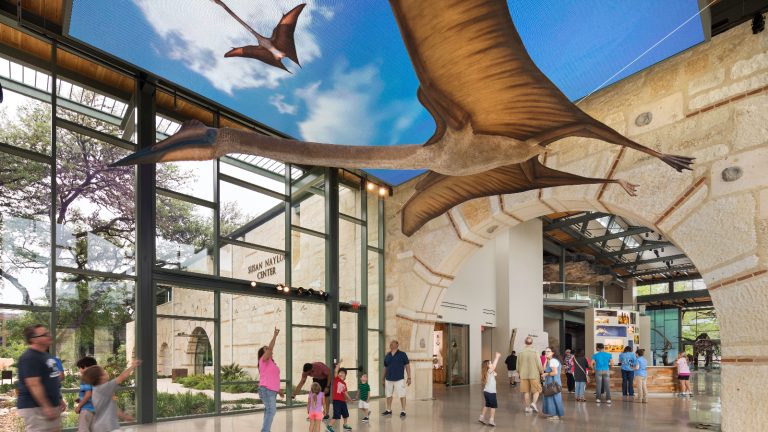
pixel 662 249
pixel 286 289
pixel 382 191
pixel 300 291
pixel 659 237
pixel 371 186
pixel 656 252
pixel 646 235
pixel 279 287
pixel 253 284
pixel 311 292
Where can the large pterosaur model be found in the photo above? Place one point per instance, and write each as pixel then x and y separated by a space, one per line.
pixel 271 51
pixel 494 111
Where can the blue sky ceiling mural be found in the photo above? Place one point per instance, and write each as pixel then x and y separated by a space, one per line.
pixel 357 84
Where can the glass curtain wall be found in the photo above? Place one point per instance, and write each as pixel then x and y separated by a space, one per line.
pixel 665 335
pixel 67 225
pixel 226 232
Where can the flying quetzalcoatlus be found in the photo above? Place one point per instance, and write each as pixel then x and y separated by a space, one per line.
pixel 494 111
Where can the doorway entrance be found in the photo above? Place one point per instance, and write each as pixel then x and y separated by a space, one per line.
pixel 451 358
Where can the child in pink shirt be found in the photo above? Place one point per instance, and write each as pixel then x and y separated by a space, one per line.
pixel 315 407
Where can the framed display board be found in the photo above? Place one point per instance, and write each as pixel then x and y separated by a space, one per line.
pixel 614 328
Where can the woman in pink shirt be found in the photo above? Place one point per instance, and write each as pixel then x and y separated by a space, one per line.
pixel 683 374
pixel 269 382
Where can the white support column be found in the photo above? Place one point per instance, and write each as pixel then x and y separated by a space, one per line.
pixel 519 279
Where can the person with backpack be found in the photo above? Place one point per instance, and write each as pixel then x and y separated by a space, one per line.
pixel 511 362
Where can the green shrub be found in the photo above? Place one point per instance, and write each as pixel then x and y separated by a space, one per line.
pixel 234 372
pixel 183 404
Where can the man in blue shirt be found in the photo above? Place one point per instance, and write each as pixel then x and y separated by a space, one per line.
pixel 641 375
pixel 627 363
pixel 601 364
pixel 39 403
pixel 396 363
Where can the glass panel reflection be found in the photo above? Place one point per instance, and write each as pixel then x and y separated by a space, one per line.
pixel 95 227
pixel 350 261
pixel 307 261
pixel 184 236
pixel 25 231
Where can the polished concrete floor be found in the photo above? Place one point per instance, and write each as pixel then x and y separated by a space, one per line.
pixel 457 409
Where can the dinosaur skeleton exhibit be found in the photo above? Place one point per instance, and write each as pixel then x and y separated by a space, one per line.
pixel 495 113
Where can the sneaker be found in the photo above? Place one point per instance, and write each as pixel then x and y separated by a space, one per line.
pixel 609 401
pixel 533 407
pixel 402 414
pixel 491 423
pixel 527 409
pixel 347 427
pixel 597 401
pixel 481 420
pixel 365 419
pixel 387 413
pixel 326 417
pixel 329 428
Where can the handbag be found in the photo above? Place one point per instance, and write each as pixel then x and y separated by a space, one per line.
pixel 551 387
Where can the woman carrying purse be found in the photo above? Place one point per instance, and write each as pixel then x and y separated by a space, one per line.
pixel 553 398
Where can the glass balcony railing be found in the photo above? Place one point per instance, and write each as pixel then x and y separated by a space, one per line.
pixel 574 292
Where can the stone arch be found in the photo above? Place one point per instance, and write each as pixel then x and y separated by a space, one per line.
pixel 200 350
pixel 164 360
pixel 720 222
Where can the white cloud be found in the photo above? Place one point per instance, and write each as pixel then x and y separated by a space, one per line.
pixel 278 101
pixel 351 110
pixel 326 12
pixel 199 32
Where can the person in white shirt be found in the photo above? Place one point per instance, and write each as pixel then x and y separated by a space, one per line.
pixel 488 377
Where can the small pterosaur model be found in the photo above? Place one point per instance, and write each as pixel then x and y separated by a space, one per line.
pixel 271 51
pixel 494 111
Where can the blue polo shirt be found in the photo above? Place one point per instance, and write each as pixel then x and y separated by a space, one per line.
pixel 602 360
pixel 627 360
pixel 642 370
pixel 395 365
pixel 88 405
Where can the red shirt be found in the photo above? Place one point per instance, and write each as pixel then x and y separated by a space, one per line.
pixel 339 389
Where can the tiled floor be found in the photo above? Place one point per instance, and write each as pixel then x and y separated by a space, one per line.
pixel 457 409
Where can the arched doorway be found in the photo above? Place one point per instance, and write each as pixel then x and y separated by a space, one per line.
pixel 200 349
pixel 719 223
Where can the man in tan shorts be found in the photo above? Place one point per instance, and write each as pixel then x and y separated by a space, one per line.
pixel 530 370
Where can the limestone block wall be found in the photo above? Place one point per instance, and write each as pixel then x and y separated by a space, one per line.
pixel 710 102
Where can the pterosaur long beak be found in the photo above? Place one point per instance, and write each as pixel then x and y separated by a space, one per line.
pixel 194 141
